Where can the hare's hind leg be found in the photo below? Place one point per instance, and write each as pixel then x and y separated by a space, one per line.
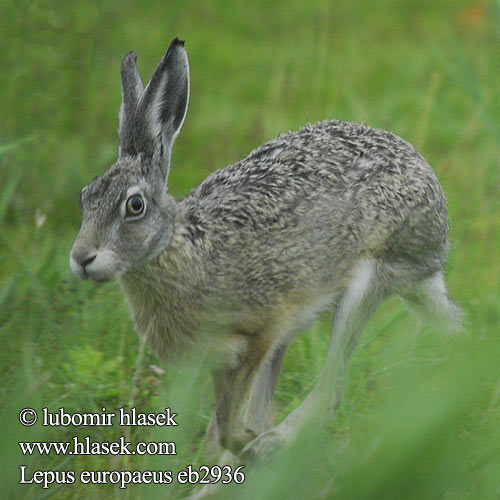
pixel 430 297
pixel 367 288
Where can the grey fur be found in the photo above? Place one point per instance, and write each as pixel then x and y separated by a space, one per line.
pixel 338 215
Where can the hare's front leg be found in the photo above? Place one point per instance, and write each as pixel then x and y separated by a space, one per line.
pixel 365 292
pixel 257 417
pixel 258 413
pixel 243 394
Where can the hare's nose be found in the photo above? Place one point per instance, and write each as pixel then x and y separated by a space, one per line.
pixel 80 259
pixel 88 260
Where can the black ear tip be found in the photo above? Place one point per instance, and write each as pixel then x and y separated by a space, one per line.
pixel 174 48
pixel 176 41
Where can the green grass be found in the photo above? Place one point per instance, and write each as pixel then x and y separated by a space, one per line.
pixel 421 418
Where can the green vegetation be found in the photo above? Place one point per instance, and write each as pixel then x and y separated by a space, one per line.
pixel 421 418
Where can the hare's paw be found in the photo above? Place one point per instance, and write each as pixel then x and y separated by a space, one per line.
pixel 264 446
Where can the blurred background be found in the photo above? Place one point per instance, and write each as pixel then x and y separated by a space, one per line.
pixel 421 417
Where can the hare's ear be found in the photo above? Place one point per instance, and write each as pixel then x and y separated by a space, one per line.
pixel 163 106
pixel 132 90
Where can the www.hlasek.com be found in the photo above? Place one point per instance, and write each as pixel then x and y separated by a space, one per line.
pixel 78 445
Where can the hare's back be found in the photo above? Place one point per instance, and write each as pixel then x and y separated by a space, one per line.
pixel 329 182
pixel 343 165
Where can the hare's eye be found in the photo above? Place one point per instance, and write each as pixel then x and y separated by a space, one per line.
pixel 135 205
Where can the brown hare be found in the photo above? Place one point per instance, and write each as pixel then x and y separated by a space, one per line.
pixel 337 216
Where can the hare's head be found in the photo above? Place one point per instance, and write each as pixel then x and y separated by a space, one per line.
pixel 127 214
